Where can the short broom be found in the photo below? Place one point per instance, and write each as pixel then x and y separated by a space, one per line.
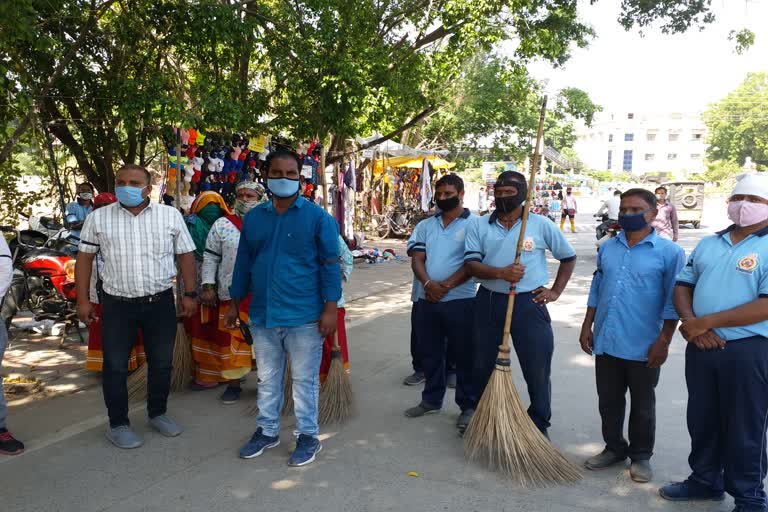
pixel 336 402
pixel 501 434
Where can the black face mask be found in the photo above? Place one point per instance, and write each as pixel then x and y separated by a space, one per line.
pixel 509 204
pixel 448 204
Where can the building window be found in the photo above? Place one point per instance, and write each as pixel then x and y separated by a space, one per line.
pixel 649 157
pixel 630 116
pixel 610 157
pixel 672 156
pixel 629 137
pixel 627 160
pixel 610 137
pixel 695 156
pixel 674 137
pixel 697 137
pixel 650 137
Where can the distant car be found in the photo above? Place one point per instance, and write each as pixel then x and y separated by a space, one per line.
pixel 688 198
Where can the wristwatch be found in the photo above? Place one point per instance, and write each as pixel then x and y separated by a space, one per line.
pixel 191 295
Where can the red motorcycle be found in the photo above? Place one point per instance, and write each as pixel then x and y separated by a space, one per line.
pixel 43 281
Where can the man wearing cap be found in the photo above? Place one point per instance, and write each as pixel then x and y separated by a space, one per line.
pixel 722 299
pixel 490 252
pixel 445 301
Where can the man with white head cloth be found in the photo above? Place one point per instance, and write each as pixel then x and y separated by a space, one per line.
pixel 722 299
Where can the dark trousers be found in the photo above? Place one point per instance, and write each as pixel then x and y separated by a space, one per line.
pixel 534 343
pixel 614 376
pixel 157 322
pixel 446 328
pixel 450 366
pixel 727 414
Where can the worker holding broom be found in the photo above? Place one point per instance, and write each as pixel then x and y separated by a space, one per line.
pixel 288 260
pixel 446 301
pixel 490 253
pixel 140 242
pixel 630 305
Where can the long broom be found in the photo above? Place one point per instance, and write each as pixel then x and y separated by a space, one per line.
pixel 501 434
pixel 336 402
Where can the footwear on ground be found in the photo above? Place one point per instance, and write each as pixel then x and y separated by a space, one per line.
pixel 231 395
pixel 464 418
pixel 415 379
pixel 450 380
pixel 690 490
pixel 124 437
pixel 640 471
pixel 603 460
pixel 9 445
pixel 165 426
pixel 307 447
pixel 257 444
pixel 421 409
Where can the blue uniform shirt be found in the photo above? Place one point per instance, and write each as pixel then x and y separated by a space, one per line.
pixel 444 247
pixel 289 264
pixel 75 212
pixel 632 292
pixel 489 242
pixel 724 276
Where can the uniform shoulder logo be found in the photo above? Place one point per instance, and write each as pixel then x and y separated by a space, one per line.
pixel 748 263
pixel 528 245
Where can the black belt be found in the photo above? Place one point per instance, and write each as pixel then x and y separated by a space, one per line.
pixel 149 299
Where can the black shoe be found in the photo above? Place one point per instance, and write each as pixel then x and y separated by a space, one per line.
pixel 421 409
pixel 690 490
pixel 603 460
pixel 415 379
pixel 464 418
pixel 9 445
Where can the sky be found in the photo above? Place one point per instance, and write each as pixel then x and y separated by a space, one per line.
pixel 626 72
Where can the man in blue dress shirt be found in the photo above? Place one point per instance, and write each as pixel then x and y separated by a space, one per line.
pixel 445 301
pixel 630 304
pixel 722 298
pixel 490 253
pixel 288 261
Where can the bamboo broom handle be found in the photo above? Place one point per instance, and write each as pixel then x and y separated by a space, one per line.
pixel 526 209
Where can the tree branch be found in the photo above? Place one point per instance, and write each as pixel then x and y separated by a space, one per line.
pixel 96 14
pixel 422 115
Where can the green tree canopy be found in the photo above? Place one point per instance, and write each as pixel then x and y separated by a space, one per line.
pixel 738 124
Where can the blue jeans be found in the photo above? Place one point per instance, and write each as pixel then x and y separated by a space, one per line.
pixel 3 344
pixel 304 344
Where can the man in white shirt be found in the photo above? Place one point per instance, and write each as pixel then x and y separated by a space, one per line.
pixel 8 445
pixel 610 209
pixel 569 210
pixel 140 242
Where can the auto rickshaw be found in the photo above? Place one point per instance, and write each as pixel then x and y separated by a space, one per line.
pixel 688 198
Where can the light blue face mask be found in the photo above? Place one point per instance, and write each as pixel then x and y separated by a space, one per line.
pixel 283 187
pixel 130 196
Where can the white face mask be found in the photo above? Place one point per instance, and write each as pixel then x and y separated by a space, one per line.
pixel 86 196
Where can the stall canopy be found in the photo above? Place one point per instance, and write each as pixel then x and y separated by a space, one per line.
pixel 410 162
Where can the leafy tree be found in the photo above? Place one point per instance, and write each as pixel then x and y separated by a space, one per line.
pixel 738 124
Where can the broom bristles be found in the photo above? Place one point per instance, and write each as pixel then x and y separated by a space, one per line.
pixel 287 389
pixel 336 402
pixel 502 436
pixel 183 365
pixel 137 384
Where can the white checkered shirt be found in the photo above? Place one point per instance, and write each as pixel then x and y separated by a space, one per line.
pixel 138 250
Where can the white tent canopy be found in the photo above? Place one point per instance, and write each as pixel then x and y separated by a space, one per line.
pixel 392 148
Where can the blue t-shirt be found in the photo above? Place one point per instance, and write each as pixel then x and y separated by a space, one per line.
pixel 444 247
pixel 725 276
pixel 489 242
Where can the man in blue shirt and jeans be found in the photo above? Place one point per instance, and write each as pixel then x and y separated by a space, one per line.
pixel 630 304
pixel 722 298
pixel 288 261
pixel 445 301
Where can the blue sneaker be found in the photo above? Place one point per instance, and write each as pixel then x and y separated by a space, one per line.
pixel 306 449
pixel 258 443
pixel 690 490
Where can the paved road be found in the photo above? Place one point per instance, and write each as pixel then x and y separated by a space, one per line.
pixel 70 467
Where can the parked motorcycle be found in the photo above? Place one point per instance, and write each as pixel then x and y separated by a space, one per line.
pixel 607 229
pixel 394 221
pixel 43 281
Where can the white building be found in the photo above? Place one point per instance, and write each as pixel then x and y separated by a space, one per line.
pixel 643 143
